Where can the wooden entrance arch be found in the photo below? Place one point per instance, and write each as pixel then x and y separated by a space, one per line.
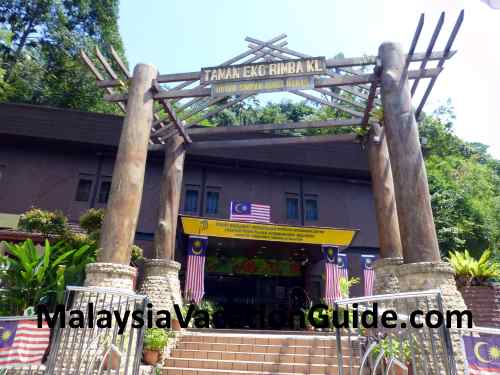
pixel 354 87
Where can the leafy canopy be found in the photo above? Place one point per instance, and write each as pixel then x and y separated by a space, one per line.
pixel 39 43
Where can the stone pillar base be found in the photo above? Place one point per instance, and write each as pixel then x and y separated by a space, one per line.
pixel 110 275
pixel 161 283
pixel 436 275
pixel 386 275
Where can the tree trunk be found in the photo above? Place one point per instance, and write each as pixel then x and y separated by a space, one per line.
pixel 122 212
pixel 418 233
pixel 383 194
pixel 170 195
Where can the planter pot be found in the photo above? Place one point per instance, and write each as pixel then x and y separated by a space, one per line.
pixel 112 361
pixel 176 325
pixel 396 370
pixel 151 357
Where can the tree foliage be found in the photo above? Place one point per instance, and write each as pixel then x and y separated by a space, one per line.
pixel 464 180
pixel 39 44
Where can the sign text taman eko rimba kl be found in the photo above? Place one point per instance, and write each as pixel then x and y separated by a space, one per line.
pixel 284 68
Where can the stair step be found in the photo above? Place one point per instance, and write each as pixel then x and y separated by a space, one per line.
pixel 251 365
pixel 196 371
pixel 251 356
pixel 295 340
pixel 257 348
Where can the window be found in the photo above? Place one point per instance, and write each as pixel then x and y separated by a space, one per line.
pixel 212 204
pixel 311 207
pixel 292 207
pixel 84 188
pixel 104 192
pixel 191 201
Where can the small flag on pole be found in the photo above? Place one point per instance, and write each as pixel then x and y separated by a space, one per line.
pixel 195 271
pixel 368 273
pixel 21 341
pixel 244 211
pixel 343 264
pixel 332 286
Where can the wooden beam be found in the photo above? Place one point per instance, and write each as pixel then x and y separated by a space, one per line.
pixel 369 105
pixel 280 56
pixel 105 63
pixel 98 76
pixel 301 55
pixel 222 107
pixel 275 141
pixel 368 78
pixel 447 48
pixel 372 60
pixel 176 77
pixel 171 113
pixel 231 130
pixel 428 52
pixel 327 103
pixel 119 62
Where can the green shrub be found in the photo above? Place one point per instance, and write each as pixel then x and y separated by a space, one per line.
pixel 346 284
pixel 92 220
pixel 45 222
pixel 33 276
pixel 393 347
pixel 155 339
pixel 136 255
pixel 470 271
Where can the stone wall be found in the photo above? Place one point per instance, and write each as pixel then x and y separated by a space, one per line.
pixel 484 302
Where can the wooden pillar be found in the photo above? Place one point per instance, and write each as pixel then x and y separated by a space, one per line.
pixel 383 194
pixel 170 195
pixel 122 211
pixel 418 233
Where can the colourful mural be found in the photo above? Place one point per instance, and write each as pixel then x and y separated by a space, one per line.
pixel 253 266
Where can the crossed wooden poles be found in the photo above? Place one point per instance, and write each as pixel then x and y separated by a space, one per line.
pixel 401 194
pixel 355 97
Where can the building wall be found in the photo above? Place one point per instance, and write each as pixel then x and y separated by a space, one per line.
pixel 46 176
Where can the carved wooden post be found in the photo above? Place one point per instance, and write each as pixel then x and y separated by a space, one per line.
pixel 423 269
pixel 383 193
pixel 170 195
pixel 418 233
pixel 161 275
pixel 391 251
pixel 122 211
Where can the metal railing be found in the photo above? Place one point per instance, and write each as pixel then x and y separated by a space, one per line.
pixel 95 349
pixel 374 349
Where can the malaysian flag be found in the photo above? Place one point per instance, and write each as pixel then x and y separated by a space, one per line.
pixel 195 272
pixel 482 354
pixel 343 264
pixel 368 273
pixel 332 286
pixel 21 341
pixel 244 211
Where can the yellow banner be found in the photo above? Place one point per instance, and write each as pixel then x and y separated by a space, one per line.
pixel 267 232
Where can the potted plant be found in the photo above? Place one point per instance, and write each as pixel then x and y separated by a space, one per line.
pixel 394 348
pixel 155 340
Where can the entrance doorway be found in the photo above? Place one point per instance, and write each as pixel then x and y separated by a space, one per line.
pixel 251 279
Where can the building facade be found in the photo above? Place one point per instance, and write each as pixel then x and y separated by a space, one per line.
pixel 63 160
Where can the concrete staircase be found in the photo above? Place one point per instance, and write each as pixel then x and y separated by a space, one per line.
pixel 233 352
